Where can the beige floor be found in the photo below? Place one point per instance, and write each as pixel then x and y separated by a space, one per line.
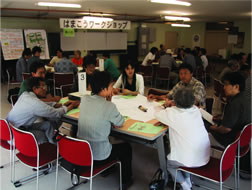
pixel 145 163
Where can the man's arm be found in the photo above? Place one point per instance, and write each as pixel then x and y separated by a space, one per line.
pixel 220 129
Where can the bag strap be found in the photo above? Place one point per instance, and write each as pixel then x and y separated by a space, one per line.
pixel 157 174
pixel 55 136
pixel 160 175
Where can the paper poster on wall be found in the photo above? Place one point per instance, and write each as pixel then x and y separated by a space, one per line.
pixel 12 43
pixel 240 40
pixel 196 40
pixel 232 39
pixel 37 38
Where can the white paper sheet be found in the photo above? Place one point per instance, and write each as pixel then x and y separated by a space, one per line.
pixel 207 116
pixel 129 107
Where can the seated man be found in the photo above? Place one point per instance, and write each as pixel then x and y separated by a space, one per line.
pixel 186 80
pixel 36 51
pixel 22 64
pixel 237 112
pixel 65 65
pixel 37 70
pixel 30 108
pixel 189 142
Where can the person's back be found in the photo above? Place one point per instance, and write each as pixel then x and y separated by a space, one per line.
pixel 65 66
pixel 167 61
pixel 190 59
pixel 110 67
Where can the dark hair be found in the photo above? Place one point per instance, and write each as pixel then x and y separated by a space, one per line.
pixel 154 50
pixel 35 66
pixel 34 82
pixel 161 46
pixel 188 50
pixel 125 76
pixel 36 49
pixel 203 51
pixel 234 57
pixel 89 60
pixel 99 81
pixel 186 66
pixel 78 51
pixel 106 55
pixel 60 50
pixel 235 78
pixel 64 54
pixel 184 98
pixel 27 52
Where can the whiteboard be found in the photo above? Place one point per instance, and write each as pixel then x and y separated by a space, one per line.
pixel 117 40
pixel 94 41
pixel 12 43
pixel 37 38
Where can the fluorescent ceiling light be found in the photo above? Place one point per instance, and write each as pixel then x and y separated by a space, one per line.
pixel 177 18
pixel 175 13
pixel 181 25
pixel 93 18
pixel 49 4
pixel 173 2
pixel 97 14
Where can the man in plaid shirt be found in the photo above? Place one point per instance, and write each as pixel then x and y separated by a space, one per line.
pixel 186 80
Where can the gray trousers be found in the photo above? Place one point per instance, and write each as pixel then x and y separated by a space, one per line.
pixel 44 131
pixel 172 166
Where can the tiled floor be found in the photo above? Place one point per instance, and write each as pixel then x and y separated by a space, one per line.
pixel 145 163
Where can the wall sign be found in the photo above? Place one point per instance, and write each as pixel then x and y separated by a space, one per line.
pixel 94 24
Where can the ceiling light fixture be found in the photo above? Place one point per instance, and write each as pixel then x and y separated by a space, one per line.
pixel 49 4
pixel 172 2
pixel 177 18
pixel 93 18
pixel 181 25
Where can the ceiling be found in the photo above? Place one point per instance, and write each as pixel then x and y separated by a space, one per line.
pixel 134 10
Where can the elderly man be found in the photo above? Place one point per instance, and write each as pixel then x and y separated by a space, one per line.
pixel 186 80
pixel 29 108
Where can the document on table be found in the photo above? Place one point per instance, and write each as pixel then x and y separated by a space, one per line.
pixel 129 107
pixel 145 128
pixel 76 110
pixel 207 116
pixel 63 100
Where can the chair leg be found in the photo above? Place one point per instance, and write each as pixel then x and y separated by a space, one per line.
pixel 235 168
pixel 175 180
pixel 238 173
pixel 91 182
pixel 120 166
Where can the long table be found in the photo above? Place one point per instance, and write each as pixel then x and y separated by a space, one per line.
pixel 151 140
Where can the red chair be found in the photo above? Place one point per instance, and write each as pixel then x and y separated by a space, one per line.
pixel 6 139
pixel 81 155
pixel 216 170
pixel 243 147
pixel 62 79
pixel 162 73
pixel 32 155
pixel 26 76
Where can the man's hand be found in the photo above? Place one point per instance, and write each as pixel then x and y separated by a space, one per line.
pixel 168 103
pixel 57 105
pixel 151 97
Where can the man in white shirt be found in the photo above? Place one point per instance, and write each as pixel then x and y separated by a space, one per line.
pixel 150 57
pixel 203 58
pixel 189 141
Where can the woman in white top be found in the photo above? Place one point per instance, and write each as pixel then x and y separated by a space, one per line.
pixel 189 141
pixel 150 57
pixel 203 58
pixel 129 83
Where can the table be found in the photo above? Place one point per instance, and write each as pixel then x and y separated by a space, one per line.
pixel 51 69
pixel 151 140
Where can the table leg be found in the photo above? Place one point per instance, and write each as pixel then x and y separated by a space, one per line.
pixel 162 157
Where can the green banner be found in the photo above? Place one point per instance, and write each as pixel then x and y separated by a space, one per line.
pixel 69 32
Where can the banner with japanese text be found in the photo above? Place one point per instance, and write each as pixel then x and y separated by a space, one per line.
pixel 94 24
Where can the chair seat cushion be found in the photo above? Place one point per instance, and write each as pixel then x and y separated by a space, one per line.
pixel 47 154
pixel 97 169
pixel 5 144
pixel 210 171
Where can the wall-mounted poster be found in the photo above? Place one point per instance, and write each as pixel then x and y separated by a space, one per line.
pixel 240 40
pixel 12 43
pixel 196 40
pixel 37 38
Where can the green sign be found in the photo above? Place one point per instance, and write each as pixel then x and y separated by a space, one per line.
pixel 68 32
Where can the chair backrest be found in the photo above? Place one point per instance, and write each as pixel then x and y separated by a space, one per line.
pixel 14 99
pixel 25 142
pixel 63 79
pixel 26 75
pixel 162 72
pixel 75 151
pixel 245 139
pixel 227 160
pixel 5 132
pixel 146 70
pixel 66 89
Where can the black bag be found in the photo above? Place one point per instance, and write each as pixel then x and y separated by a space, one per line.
pixel 157 181
pixel 12 92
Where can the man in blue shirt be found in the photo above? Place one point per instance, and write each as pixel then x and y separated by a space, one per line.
pixel 65 65
pixel 22 64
